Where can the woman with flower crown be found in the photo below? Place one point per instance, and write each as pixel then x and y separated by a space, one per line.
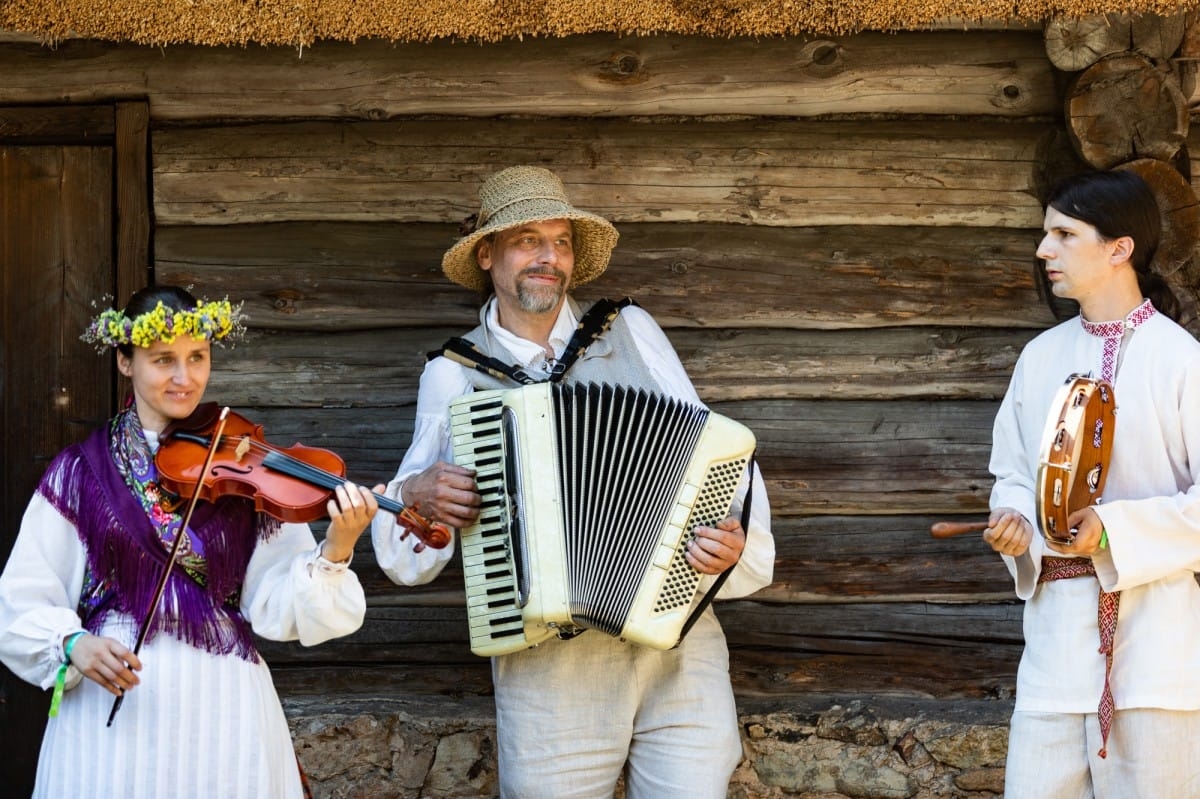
pixel 200 716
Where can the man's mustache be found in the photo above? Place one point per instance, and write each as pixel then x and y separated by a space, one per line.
pixel 545 271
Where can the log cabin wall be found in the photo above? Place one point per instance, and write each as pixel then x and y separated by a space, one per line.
pixel 836 234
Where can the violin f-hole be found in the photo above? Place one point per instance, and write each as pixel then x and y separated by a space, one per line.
pixel 222 468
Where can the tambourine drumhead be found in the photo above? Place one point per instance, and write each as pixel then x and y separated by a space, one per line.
pixel 1076 449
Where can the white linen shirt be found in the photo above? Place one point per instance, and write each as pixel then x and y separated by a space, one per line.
pixel 1150 510
pixel 444 380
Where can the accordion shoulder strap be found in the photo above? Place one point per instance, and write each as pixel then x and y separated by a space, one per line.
pixel 711 593
pixel 592 325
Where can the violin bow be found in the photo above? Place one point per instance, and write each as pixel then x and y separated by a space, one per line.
pixel 172 555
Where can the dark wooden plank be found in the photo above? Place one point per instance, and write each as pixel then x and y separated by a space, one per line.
pixel 958 651
pixel 341 276
pixel 913 648
pixel 380 369
pixel 818 458
pixel 58 124
pixel 55 246
pixel 893 558
pixel 991 73
pixel 901 457
pixel 818 559
pixel 760 172
pixel 132 190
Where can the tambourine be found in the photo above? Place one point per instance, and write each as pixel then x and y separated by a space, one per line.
pixel 1076 449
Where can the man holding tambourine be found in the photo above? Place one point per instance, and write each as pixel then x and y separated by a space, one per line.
pixel 1108 689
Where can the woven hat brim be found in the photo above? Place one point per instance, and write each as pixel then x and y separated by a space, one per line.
pixel 594 240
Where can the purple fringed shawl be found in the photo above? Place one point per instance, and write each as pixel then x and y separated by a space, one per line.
pixel 125 552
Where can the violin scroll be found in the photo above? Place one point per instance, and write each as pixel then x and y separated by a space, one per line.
pixel 434 534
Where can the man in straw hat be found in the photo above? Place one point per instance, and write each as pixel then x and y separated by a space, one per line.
pixel 574 714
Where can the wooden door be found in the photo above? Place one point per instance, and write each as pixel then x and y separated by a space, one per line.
pixel 69 237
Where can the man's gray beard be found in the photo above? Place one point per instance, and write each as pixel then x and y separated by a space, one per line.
pixel 539 300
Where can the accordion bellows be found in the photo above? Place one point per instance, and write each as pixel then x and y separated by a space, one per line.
pixel 589 496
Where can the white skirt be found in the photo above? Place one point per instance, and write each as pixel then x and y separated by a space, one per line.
pixel 199 726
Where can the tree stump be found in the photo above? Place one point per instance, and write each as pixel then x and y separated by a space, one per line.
pixel 1124 107
pixel 1180 212
pixel 1075 44
pixel 1157 37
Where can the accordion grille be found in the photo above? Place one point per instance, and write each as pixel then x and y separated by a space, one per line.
pixel 622 455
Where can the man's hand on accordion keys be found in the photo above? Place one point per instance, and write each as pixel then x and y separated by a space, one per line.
pixel 716 549
pixel 443 493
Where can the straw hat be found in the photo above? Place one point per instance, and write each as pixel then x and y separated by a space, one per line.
pixel 522 194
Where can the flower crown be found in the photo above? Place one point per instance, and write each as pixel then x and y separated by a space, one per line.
pixel 217 321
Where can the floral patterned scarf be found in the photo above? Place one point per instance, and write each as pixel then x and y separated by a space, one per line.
pixel 106 488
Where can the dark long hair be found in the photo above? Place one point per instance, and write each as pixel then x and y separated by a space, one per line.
pixel 173 298
pixel 1120 203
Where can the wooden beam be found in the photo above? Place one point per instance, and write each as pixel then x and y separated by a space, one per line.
pixel 818 560
pixel 764 172
pixel 926 649
pixel 346 276
pixel 995 73
pixel 369 370
pixel 891 457
pixel 89 125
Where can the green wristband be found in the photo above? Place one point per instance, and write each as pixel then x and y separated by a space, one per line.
pixel 60 679
pixel 1103 539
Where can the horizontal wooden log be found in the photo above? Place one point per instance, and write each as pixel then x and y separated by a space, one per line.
pixel 764 172
pixel 379 371
pixel 822 458
pixel 907 649
pixel 343 276
pixel 901 457
pixel 818 560
pixel 92 125
pixel 992 73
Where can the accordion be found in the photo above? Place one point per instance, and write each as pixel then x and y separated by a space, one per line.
pixel 589 496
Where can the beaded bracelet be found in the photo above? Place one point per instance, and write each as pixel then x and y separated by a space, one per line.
pixel 60 679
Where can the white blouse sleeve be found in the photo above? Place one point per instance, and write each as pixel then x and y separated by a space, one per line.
pixel 291 593
pixel 39 591
pixel 441 382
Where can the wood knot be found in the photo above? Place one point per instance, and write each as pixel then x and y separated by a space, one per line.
pixel 821 58
pixel 1009 95
pixel 623 67
pixel 284 301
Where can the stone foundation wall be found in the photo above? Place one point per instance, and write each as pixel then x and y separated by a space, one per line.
pixel 795 748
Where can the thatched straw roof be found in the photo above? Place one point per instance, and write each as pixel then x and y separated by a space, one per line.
pixel 302 22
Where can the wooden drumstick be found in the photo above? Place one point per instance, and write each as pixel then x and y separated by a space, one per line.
pixel 951 529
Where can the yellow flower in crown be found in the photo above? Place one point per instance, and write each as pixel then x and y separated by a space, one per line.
pixel 216 320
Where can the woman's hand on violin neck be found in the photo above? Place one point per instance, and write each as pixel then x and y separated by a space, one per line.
pixel 106 662
pixel 350 512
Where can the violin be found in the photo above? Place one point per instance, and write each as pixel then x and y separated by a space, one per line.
pixel 292 484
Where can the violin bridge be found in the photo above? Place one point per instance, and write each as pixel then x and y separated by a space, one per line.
pixel 242 448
